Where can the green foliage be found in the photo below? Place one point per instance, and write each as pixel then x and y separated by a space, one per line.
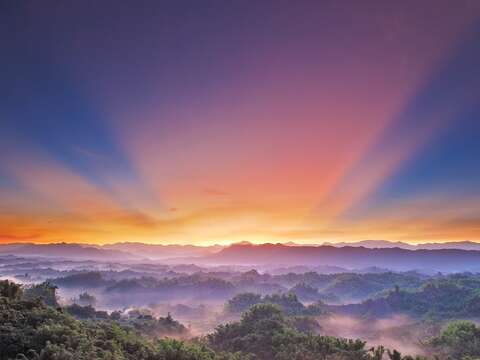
pixel 306 292
pixel 452 297
pixel 275 329
pixel 345 287
pixel 396 355
pixel 10 290
pixel 203 287
pixel 158 327
pixel 86 299
pixel 460 340
pixel 81 312
pixel 91 279
pixel 288 303
pixel 305 324
pixel 45 291
pixel 143 322
pixel 265 333
pixel 242 302
pixel 32 330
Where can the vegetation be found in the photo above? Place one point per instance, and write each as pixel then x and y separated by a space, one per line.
pixel 347 286
pixel 158 284
pixel 10 290
pixel 308 293
pixel 158 327
pixel 91 279
pixel 288 303
pixel 271 327
pixel 265 333
pixel 242 302
pixel 86 299
pixel 459 340
pixel 453 297
pixel 30 329
pixel 46 291
pixel 86 312
pixel 141 321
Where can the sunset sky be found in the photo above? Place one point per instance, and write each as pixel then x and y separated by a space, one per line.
pixel 208 122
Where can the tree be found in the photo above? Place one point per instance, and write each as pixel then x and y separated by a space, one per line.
pixel 45 291
pixel 10 290
pixel 305 292
pixel 460 339
pixel 241 302
pixel 86 299
pixel 266 333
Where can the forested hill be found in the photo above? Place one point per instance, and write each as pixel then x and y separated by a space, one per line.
pixel 32 330
pixel 34 327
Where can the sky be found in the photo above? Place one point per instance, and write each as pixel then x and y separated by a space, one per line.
pixel 204 122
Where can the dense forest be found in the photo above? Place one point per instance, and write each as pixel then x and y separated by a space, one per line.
pixel 123 289
pixel 446 297
pixel 374 294
pixel 34 326
pixel 228 312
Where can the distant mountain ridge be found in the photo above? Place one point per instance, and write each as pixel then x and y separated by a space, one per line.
pixel 383 244
pixel 67 251
pixel 160 251
pixel 452 256
pixel 353 257
pixel 110 252
pixel 379 244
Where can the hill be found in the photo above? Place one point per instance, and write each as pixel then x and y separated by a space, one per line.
pixel 66 251
pixel 381 244
pixel 449 260
pixel 162 252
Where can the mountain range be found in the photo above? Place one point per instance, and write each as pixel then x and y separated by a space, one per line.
pixel 463 256
pixel 353 257
pixel 378 244
pixel 67 251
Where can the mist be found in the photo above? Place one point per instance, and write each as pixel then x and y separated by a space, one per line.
pixel 400 310
pixel 399 332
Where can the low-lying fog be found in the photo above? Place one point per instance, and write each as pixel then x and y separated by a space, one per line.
pixel 399 310
pixel 399 332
